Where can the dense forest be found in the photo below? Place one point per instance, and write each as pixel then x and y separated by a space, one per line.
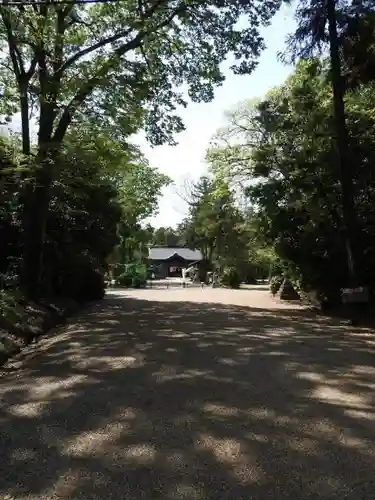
pixel 290 179
pixel 303 155
pixel 283 156
pixel 83 78
pixel 226 233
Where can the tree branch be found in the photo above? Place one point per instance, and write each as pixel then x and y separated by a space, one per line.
pixel 78 55
pixel 59 39
pixel 12 44
pixel 111 39
pixel 32 67
pixel 86 90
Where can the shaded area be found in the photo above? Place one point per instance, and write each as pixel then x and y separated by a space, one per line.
pixel 183 400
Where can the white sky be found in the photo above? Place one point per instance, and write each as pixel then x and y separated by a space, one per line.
pixel 186 160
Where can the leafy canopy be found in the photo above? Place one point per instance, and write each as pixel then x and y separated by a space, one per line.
pixel 292 174
pixel 102 58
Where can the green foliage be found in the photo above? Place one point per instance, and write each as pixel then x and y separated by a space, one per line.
pixel 10 162
pixel 226 233
pixel 214 224
pixel 87 284
pixel 108 56
pixel 275 284
pixel 131 275
pixel 355 26
pixel 138 281
pixel 166 236
pixel 128 280
pixel 118 270
pixel 117 64
pixel 231 278
pixel 125 280
pixel 9 305
pixel 293 178
pixel 87 206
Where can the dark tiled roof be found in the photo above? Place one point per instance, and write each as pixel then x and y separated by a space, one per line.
pixel 164 253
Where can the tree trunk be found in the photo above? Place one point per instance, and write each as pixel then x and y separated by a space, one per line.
pixel 27 193
pixel 34 226
pixel 36 204
pixel 34 223
pixel 25 122
pixel 343 151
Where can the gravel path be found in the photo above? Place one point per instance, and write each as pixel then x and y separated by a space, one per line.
pixel 192 394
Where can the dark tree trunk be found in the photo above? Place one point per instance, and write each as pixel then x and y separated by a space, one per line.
pixel 25 122
pixel 34 225
pixel 35 210
pixel 343 150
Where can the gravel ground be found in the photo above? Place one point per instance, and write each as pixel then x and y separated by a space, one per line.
pixel 191 394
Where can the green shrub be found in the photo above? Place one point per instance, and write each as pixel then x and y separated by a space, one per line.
pixel 92 286
pixel 125 280
pixel 80 282
pixel 138 282
pixel 9 304
pixel 118 270
pixel 275 284
pixel 231 278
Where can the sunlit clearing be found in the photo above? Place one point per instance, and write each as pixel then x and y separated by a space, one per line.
pixel 71 329
pixel 110 322
pixel 303 445
pixel 361 415
pixel 41 391
pixel 42 388
pixel 311 376
pixel 111 362
pixel 322 429
pixel 186 492
pixel 144 346
pixel 70 481
pixel 363 370
pixel 234 455
pixel 277 353
pixel 170 373
pixel 23 455
pixel 261 414
pixel 245 350
pixel 339 397
pixel 144 454
pixel 228 361
pixel 187 420
pixel 94 442
pixel 204 344
pixel 220 410
pixel 259 438
pixel 178 461
pixel 28 410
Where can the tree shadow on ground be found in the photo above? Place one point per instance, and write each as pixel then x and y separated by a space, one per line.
pixel 146 399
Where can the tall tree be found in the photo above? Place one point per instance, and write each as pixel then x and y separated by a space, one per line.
pixel 138 185
pixel 323 23
pixel 166 236
pixel 293 177
pixel 62 59
pixel 214 224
